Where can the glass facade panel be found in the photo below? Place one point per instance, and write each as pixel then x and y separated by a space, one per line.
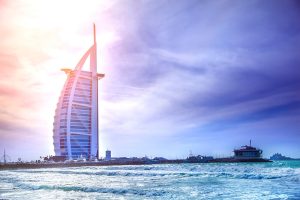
pixel 80 121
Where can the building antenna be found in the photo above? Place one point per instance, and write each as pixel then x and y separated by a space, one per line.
pixel 4 157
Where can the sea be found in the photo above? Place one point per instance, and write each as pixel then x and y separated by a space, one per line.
pixel 276 180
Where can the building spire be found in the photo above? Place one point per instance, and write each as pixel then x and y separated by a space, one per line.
pixel 94 26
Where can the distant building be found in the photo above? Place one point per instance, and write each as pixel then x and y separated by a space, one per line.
pixel 199 159
pixel 75 131
pixel 55 158
pixel 247 152
pixel 107 155
pixel 159 159
pixel 278 156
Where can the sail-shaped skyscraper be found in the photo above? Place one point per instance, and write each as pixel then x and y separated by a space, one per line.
pixel 75 131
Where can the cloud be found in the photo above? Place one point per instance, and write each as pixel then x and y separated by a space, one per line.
pixel 196 69
pixel 193 69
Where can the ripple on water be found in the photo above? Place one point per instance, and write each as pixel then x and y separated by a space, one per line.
pixel 182 181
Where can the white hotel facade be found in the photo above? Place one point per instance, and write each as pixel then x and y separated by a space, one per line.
pixel 76 116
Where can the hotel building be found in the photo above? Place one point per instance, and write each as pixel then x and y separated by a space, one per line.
pixel 76 116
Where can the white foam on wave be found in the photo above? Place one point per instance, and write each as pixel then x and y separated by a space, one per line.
pixel 185 181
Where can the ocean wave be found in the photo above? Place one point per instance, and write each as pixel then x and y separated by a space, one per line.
pixel 221 172
pixel 117 191
pixel 226 171
pixel 112 173
pixel 182 181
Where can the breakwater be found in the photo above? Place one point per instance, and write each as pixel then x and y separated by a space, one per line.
pixel 118 162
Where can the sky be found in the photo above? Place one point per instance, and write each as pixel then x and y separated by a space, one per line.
pixel 200 77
